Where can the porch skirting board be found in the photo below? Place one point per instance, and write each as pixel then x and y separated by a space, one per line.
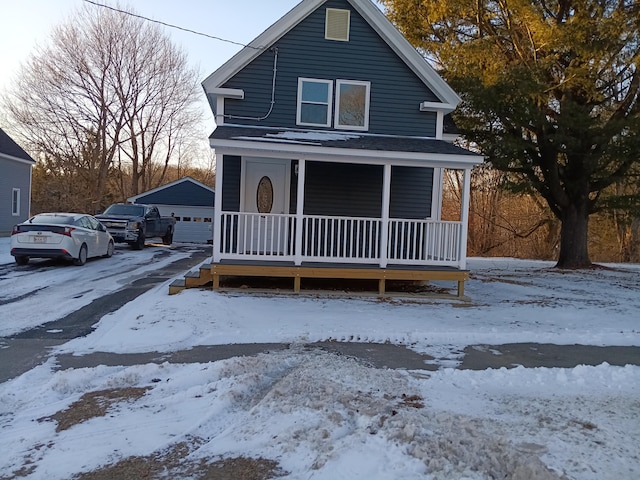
pixel 338 271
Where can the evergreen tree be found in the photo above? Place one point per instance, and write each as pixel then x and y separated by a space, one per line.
pixel 551 94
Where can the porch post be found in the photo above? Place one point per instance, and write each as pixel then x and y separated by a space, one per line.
pixel 299 211
pixel 464 217
pixel 384 215
pixel 217 211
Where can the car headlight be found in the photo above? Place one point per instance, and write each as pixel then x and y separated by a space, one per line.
pixel 133 225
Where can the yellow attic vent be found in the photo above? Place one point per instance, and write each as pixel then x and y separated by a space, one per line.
pixel 337 24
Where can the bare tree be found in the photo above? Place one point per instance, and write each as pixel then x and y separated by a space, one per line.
pixel 108 91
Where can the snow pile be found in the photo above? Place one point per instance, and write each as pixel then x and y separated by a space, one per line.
pixel 324 416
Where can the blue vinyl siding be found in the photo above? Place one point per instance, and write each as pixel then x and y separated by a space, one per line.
pixel 232 170
pixel 356 191
pixel 411 192
pixel 343 189
pixel 184 193
pixel 396 92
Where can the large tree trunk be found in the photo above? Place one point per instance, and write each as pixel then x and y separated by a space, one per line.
pixel 574 251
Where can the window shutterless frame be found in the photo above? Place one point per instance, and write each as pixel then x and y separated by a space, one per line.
pixel 352 105
pixel 314 102
pixel 15 202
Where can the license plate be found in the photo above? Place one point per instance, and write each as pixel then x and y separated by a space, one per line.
pixel 39 239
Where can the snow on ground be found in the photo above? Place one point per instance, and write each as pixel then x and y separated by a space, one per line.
pixel 323 416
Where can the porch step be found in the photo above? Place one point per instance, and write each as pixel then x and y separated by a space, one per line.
pixel 192 279
pixel 177 286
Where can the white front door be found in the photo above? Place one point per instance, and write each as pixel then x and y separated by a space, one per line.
pixel 266 191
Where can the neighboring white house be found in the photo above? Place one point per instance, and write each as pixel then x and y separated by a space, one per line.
pixel 15 183
pixel 190 202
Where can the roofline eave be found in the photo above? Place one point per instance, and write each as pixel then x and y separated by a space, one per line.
pixel 295 151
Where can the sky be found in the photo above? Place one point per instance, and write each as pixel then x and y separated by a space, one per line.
pixel 25 24
pixel 320 415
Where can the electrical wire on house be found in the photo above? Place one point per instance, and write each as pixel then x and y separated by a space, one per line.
pixel 273 49
pixel 273 92
pixel 142 17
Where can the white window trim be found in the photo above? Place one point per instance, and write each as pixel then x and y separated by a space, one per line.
pixel 15 202
pixel 299 121
pixel 337 125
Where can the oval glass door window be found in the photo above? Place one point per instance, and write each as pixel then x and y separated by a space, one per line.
pixel 264 195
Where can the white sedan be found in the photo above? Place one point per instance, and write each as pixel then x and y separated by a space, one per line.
pixel 71 236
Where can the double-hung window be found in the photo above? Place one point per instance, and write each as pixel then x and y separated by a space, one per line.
pixel 15 202
pixel 350 105
pixel 314 102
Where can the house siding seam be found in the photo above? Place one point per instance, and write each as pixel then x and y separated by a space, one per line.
pixel 304 52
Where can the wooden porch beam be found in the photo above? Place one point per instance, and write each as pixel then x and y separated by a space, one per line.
pixel 464 217
pixel 299 272
pixel 384 215
pixel 302 168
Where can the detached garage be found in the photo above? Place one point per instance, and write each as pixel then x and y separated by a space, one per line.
pixel 190 202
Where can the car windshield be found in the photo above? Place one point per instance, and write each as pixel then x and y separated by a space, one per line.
pixel 135 210
pixel 52 218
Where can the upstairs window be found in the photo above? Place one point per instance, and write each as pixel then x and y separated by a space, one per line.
pixel 314 102
pixel 352 104
pixel 337 24
pixel 15 202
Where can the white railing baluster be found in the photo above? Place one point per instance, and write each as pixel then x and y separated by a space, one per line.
pixel 338 239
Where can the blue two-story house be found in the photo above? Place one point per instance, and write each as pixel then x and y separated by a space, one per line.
pixel 330 153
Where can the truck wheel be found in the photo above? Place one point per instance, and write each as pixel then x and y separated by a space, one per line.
pixel 168 238
pixel 139 244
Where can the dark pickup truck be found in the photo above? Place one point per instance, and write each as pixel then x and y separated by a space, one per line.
pixel 133 224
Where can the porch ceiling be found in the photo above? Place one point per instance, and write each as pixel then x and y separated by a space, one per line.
pixel 340 146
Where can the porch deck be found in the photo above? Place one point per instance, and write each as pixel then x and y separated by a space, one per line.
pixel 211 273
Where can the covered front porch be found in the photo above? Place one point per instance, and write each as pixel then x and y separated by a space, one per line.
pixel 314 205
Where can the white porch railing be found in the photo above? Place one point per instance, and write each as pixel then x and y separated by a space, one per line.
pixel 257 236
pixel 254 236
pixel 423 242
pixel 340 239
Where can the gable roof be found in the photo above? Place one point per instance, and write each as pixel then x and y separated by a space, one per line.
pixel 9 148
pixel 372 15
pixel 210 192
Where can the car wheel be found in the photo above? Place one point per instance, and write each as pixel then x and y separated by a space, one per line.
pixel 139 244
pixel 110 249
pixel 82 256
pixel 22 260
pixel 168 238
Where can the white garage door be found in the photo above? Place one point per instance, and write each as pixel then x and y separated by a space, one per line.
pixel 193 224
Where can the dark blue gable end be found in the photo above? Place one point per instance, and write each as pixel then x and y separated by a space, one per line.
pixel 396 92
pixel 183 193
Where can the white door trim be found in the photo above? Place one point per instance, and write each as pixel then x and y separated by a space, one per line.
pixel 287 179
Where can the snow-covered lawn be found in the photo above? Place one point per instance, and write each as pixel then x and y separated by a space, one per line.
pixel 323 416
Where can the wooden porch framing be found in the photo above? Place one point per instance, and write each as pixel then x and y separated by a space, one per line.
pixel 211 273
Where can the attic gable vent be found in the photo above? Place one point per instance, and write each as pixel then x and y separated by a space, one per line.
pixel 337 24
